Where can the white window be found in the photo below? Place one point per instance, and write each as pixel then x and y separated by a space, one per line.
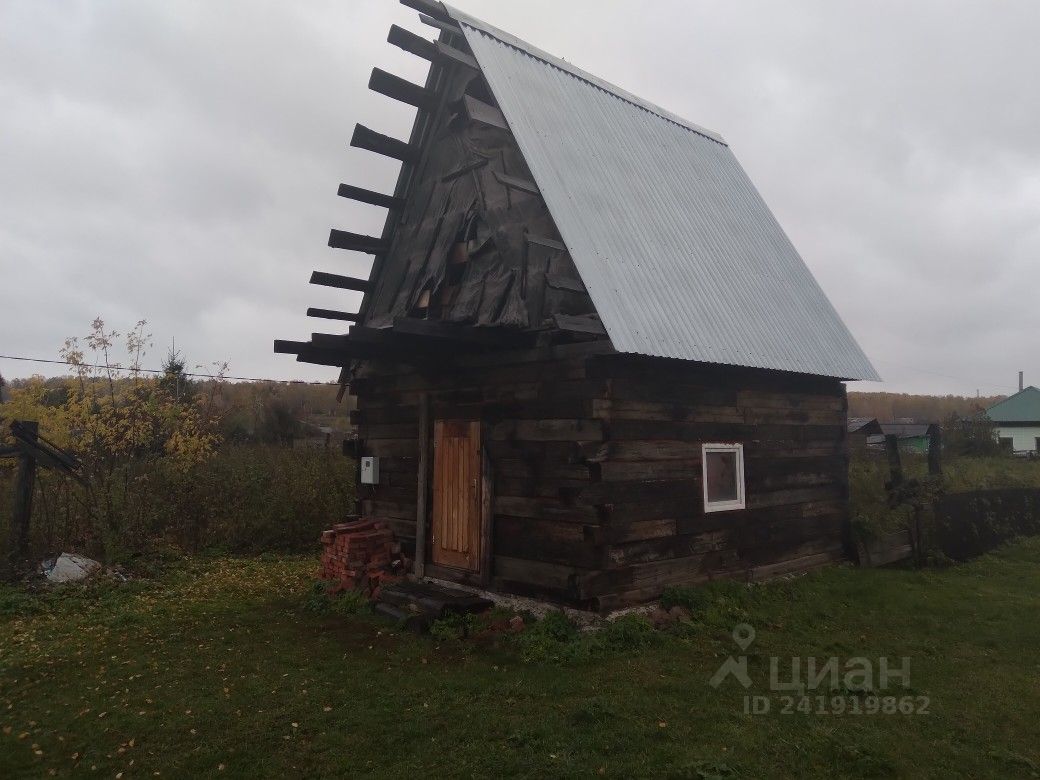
pixel 722 467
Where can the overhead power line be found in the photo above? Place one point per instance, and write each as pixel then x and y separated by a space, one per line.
pixel 160 371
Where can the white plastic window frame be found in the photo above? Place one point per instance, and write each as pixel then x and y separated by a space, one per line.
pixel 723 506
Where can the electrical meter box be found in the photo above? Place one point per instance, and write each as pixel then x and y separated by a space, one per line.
pixel 370 471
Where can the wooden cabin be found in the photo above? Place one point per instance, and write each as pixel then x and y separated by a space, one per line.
pixel 588 364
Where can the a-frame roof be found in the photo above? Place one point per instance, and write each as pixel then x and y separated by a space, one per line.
pixel 1023 406
pixel 680 254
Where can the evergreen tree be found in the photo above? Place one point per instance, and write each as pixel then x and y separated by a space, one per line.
pixel 173 380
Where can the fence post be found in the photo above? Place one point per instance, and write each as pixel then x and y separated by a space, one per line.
pixel 934 451
pixel 25 480
pixel 895 467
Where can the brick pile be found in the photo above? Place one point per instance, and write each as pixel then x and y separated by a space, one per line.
pixel 361 555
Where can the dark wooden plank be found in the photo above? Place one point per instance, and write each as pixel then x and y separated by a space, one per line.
pixel 428 7
pixel 516 183
pixel 366 138
pixel 465 168
pixel 487 513
pixel 423 486
pixel 21 514
pixel 449 54
pixel 370 196
pixel 340 282
pixel 411 43
pixel 286 347
pixel 342 239
pixel 452 28
pixel 331 314
pixel 571 323
pixel 464 333
pixel 479 111
pixel 401 89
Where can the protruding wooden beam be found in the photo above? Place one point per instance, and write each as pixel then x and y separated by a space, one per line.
pixel 412 43
pixel 430 50
pixel 447 53
pixel 332 314
pixel 370 196
pixel 284 347
pixel 365 138
pixel 334 341
pixel 479 111
pixel 340 282
pixel 400 89
pixel 428 7
pixel 341 239
pixel 448 27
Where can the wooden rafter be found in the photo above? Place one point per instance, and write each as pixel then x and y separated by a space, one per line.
pixel 366 138
pixel 370 196
pixel 400 89
pixel 331 314
pixel 341 239
pixel 340 282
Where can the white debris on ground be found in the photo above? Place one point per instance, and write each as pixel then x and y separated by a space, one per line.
pixel 69 567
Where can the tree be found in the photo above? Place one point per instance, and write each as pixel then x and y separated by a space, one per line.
pixel 3 384
pixel 174 382
pixel 972 436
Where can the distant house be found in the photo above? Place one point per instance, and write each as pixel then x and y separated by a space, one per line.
pixel 860 429
pixel 912 437
pixel 1017 421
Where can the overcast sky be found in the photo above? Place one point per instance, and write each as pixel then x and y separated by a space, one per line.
pixel 178 161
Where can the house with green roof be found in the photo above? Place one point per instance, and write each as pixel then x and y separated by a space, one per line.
pixel 1017 421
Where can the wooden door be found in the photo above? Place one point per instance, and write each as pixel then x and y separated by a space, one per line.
pixel 456 494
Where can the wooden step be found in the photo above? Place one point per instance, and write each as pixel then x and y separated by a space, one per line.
pixel 417 623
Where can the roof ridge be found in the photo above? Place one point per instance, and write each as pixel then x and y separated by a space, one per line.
pixel 594 81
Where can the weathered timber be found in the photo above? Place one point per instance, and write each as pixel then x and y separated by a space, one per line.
pixel 331 314
pixel 449 55
pixel 428 7
pixel 579 324
pixel 401 89
pixel 479 111
pixel 341 239
pixel 423 482
pixel 366 138
pixel 341 282
pixel 362 195
pixel 411 43
pixel 450 27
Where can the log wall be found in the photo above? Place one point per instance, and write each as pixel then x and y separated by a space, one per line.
pixel 595 464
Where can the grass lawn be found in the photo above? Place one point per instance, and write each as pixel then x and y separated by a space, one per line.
pixel 216 668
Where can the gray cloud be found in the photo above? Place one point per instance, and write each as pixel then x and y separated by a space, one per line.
pixel 179 161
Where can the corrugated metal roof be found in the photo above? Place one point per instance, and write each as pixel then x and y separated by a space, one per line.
pixel 1023 406
pixel 679 252
pixel 906 430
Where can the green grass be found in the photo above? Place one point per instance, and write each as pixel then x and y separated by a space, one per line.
pixel 222 666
